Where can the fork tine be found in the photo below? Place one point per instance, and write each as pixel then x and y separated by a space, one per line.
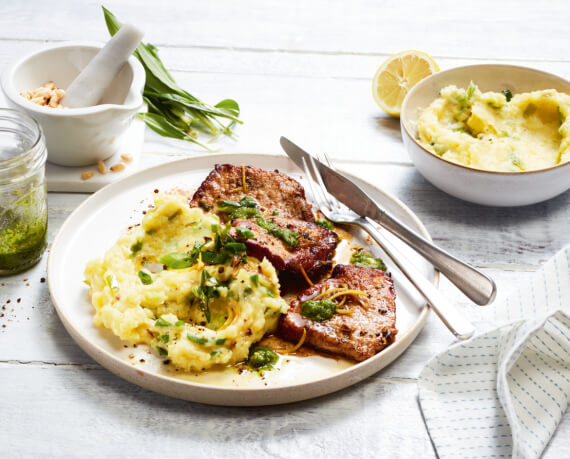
pixel 310 173
pixel 324 191
pixel 328 162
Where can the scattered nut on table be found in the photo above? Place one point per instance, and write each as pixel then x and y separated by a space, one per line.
pixel 101 167
pixel 126 158
pixel 86 175
pixel 118 167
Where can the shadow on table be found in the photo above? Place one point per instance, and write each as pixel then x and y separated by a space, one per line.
pixel 389 125
pixel 515 235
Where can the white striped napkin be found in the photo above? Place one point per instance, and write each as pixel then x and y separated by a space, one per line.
pixel 505 391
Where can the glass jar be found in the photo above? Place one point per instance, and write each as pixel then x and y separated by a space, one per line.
pixel 23 193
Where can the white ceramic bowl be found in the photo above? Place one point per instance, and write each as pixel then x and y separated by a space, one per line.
pixel 475 185
pixel 76 136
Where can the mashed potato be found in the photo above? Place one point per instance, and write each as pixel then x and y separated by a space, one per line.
pixel 486 131
pixel 199 316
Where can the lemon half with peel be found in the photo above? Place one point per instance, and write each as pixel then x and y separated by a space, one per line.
pixel 397 75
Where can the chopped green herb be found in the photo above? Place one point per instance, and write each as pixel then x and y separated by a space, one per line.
pixel 254 278
pixel 244 232
pixel 220 341
pixel 290 238
pixel 205 206
pixel 178 260
pixel 324 224
pixel 179 323
pixel 529 110
pixel 225 247
pixel 246 207
pixel 207 289
pixel 275 213
pixel 262 358
pixel 464 98
pixel 234 248
pixel 508 94
pixel 111 281
pixel 160 322
pixel 318 310
pixel 517 162
pixel 145 277
pixel 165 338
pixel 175 214
pixel 136 247
pixel 363 259
pixel 196 339
pixel 210 257
pixel 215 353
pixel 161 350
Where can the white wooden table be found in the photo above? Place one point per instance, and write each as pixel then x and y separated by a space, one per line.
pixel 300 69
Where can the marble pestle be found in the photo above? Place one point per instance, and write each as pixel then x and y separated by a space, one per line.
pixel 90 85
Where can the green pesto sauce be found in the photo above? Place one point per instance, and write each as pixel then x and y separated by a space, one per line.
pixel 262 358
pixel 318 310
pixel 22 237
pixel 363 259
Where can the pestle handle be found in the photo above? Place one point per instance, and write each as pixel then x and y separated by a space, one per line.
pixel 89 86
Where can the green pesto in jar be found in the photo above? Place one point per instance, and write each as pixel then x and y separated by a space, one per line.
pixel 23 230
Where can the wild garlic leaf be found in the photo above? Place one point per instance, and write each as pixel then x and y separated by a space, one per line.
pixel 173 111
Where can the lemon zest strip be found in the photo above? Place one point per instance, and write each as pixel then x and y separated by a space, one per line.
pixel 348 292
pixel 229 320
pixel 330 290
pixel 299 343
pixel 243 182
pixel 305 276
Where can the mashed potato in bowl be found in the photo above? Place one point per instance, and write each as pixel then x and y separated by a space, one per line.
pixel 152 288
pixel 498 131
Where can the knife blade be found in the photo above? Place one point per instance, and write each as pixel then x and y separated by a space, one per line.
pixel 338 185
pixel 476 285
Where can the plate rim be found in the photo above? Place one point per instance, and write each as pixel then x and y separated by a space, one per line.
pixel 154 381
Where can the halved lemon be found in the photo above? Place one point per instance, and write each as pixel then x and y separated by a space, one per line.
pixel 397 75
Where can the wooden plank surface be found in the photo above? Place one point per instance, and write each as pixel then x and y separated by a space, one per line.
pixel 486 29
pixel 300 69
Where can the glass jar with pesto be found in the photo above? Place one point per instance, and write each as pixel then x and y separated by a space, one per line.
pixel 23 194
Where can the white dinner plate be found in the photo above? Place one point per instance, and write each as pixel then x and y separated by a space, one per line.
pixel 97 223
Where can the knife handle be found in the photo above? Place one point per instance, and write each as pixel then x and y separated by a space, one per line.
pixel 477 286
pixel 449 315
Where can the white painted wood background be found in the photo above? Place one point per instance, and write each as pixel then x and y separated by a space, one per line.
pixel 300 69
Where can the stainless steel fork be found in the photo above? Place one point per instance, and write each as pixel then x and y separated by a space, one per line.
pixel 339 213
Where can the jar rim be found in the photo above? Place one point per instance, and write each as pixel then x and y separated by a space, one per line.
pixel 6 163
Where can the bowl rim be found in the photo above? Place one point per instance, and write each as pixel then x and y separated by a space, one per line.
pixel 404 119
pixel 138 83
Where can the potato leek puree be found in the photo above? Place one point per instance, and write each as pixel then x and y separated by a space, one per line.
pixel 498 131
pixel 150 287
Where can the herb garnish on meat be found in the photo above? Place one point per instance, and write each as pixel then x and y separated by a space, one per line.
pixel 318 310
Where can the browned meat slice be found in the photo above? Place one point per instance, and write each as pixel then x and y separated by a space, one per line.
pixel 359 335
pixel 314 250
pixel 272 190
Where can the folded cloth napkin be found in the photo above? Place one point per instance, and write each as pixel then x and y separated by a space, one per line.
pixel 505 391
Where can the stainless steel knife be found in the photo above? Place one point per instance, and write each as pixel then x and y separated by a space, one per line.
pixel 474 284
